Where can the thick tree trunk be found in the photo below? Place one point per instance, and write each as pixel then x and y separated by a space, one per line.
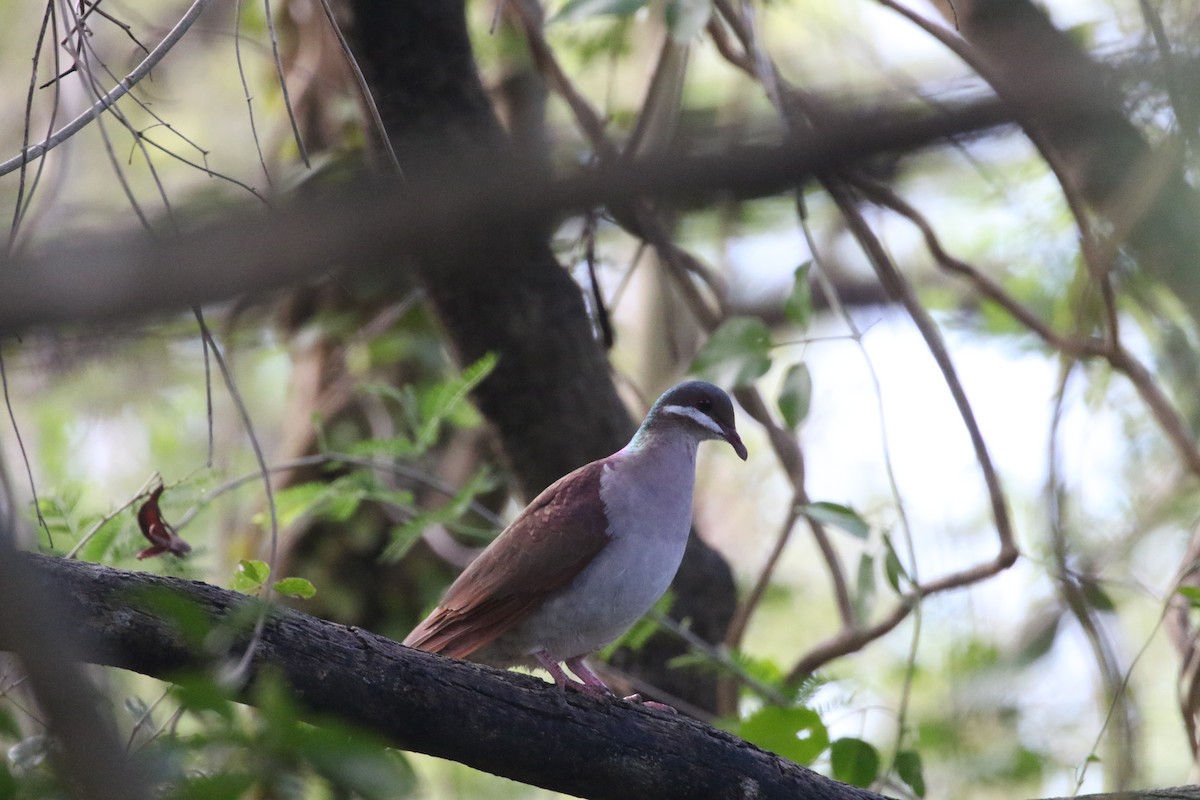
pixel 551 399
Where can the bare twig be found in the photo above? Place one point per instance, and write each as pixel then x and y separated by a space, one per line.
pixel 19 205
pixel 746 608
pixel 1180 99
pixel 851 640
pixel 110 516
pixel 281 76
pixel 365 98
pixel 986 286
pixel 239 672
pixel 12 418
pixel 94 8
pixel 1075 600
pixel 791 457
pixel 404 470
pixel 139 72
pixel 900 288
pixel 241 69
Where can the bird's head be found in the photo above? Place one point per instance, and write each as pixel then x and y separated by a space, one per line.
pixel 705 411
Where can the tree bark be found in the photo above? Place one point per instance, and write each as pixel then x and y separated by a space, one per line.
pixel 500 722
pixel 505 723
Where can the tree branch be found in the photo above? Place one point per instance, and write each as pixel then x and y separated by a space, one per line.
pixel 500 722
pixel 133 274
pixel 116 93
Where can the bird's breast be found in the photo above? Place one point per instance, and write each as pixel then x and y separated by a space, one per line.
pixel 648 507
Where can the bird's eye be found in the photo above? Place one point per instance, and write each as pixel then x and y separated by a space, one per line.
pixel 704 404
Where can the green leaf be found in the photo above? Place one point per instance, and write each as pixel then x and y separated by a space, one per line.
pixel 865 587
pixel 101 542
pixel 838 516
pixel 294 502
pixel 736 354
pixel 854 761
pixel 1095 596
pixel 250 574
pixel 202 693
pixel 1038 635
pixel 188 619
pixel 794 733
pixel 795 395
pixel 8 725
pixel 584 9
pixel 295 587
pixel 229 785
pixel 908 768
pixel 399 446
pixel 366 768
pixel 406 534
pixel 892 566
pixel 444 398
pixel 1191 594
pixel 798 306
pixel 687 18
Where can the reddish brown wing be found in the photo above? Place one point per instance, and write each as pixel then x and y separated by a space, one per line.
pixel 158 531
pixel 545 547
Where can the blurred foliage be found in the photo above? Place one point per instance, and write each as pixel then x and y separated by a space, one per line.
pixel 990 693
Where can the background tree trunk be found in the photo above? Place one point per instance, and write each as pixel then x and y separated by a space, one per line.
pixel 551 399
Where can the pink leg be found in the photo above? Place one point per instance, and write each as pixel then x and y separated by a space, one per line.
pixel 549 664
pixel 580 668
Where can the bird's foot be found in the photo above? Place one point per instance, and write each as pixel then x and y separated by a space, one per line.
pixel 589 683
pixel 657 706
pixel 590 690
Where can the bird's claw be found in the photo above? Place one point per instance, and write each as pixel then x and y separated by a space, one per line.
pixel 657 706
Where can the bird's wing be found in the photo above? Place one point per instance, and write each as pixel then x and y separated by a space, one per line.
pixel 544 548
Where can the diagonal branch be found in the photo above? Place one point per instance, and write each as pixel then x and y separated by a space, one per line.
pixel 519 726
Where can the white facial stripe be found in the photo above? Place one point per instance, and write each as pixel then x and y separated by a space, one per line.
pixel 704 420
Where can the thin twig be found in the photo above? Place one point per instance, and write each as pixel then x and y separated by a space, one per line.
pixel 986 286
pixel 239 672
pixel 720 656
pixel 365 98
pixel 281 76
pixel 83 58
pixel 110 516
pixel 241 70
pixel 19 206
pixel 116 93
pixel 1072 593
pixel 747 607
pixel 787 451
pixel 95 8
pixel 319 459
pixel 758 65
pixel 12 418
pixel 900 288
pixel 1178 95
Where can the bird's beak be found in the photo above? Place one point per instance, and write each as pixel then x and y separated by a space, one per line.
pixel 735 441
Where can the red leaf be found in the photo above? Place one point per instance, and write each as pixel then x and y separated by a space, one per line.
pixel 158 531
